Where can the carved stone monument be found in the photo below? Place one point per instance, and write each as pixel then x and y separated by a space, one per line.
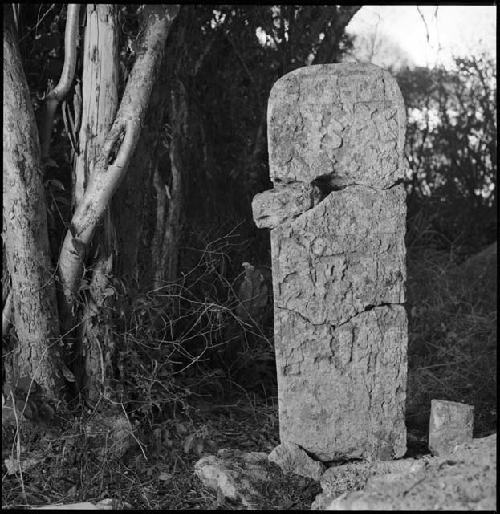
pixel 337 220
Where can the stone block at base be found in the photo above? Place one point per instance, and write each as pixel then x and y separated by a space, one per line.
pixel 293 459
pixel 450 424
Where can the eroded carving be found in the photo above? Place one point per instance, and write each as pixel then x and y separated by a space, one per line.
pixel 337 220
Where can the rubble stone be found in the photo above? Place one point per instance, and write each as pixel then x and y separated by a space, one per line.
pixel 293 459
pixel 233 474
pixel 450 423
pixel 464 479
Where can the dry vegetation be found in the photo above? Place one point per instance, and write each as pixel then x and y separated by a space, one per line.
pixel 453 336
pixel 187 396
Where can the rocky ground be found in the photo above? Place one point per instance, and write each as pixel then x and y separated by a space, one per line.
pixel 463 479
pixel 452 355
pixel 190 465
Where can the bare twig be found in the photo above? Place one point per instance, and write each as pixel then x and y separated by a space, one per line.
pixel 18 444
pixel 38 23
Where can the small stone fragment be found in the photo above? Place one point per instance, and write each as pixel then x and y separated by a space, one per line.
pixel 215 475
pixel 293 459
pixel 450 424
pixel 338 480
pixel 106 504
pixel 234 474
pixel 357 500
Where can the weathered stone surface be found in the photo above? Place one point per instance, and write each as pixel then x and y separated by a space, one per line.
pixel 346 118
pixel 450 423
pixel 271 208
pixel 463 480
pixel 338 480
pixel 344 398
pixel 342 256
pixel 252 481
pixel 293 459
pixel 355 475
pixel 234 474
pixel 337 219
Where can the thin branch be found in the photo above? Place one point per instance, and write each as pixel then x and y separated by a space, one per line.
pixel 38 23
pixel 60 91
pixel 427 35
pixel 123 137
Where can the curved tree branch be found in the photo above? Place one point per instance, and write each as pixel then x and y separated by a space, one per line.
pixel 61 90
pixel 123 136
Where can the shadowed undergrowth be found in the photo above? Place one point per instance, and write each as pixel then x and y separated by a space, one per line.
pixel 187 394
pixel 452 336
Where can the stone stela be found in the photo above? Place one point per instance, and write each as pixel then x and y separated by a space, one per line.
pixel 337 219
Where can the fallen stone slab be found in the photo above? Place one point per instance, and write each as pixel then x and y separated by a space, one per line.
pixel 450 423
pixel 251 481
pixel 338 480
pixel 293 459
pixel 463 479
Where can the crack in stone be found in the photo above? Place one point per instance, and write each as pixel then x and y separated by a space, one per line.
pixel 338 126
pixel 368 308
pixel 296 193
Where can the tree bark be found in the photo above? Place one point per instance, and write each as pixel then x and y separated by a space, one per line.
pixel 170 251
pixel 120 141
pixel 328 50
pixel 99 93
pixel 165 246
pixel 27 246
pixel 185 58
pixel 100 101
pixel 133 205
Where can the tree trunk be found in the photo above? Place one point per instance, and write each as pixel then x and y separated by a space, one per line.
pixel 133 206
pixel 100 101
pixel 185 58
pixel 27 246
pixel 165 244
pixel 328 50
pixel 119 146
pixel 170 250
